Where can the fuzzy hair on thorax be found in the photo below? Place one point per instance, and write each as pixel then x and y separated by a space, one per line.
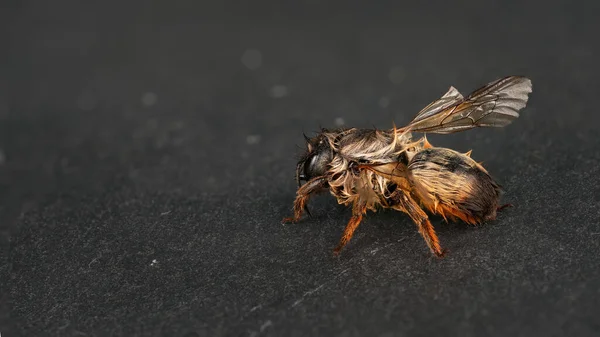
pixel 370 146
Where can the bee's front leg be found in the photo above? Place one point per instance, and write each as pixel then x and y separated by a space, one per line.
pixel 358 211
pixel 303 194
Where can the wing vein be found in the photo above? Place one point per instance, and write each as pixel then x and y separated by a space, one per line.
pixel 496 104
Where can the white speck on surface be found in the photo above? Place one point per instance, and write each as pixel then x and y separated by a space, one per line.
pixel 253 139
pixel 298 301
pixel 397 74
pixel 256 308
pixel 339 121
pixel 252 59
pixel 165 213
pixel 154 262
pixel 149 99
pixel 93 260
pixel 278 91
pixel 265 325
pixel 384 102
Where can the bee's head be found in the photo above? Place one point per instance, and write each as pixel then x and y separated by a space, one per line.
pixel 314 162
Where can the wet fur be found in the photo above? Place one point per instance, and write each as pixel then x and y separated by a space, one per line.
pixel 446 182
pixel 372 169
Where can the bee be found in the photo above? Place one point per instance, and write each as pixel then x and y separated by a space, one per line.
pixel 369 169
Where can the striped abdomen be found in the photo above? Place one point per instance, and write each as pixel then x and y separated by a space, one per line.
pixel 453 185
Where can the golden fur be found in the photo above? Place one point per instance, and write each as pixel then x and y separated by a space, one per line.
pixel 370 169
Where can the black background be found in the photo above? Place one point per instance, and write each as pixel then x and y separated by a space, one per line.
pixel 132 132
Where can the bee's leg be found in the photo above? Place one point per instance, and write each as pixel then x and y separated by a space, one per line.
pixel 405 203
pixel 358 212
pixel 302 196
pixel 504 206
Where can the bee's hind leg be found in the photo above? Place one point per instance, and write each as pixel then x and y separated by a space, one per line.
pixel 405 203
pixel 302 195
pixel 358 212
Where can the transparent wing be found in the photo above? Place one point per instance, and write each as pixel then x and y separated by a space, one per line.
pixel 496 104
pixel 451 98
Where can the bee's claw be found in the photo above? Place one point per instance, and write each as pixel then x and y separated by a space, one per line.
pixel 288 220
pixel 504 206
pixel 442 253
pixel 336 251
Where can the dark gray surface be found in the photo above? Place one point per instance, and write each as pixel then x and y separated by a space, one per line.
pixel 95 185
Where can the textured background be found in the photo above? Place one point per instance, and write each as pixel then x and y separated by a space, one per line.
pixel 147 151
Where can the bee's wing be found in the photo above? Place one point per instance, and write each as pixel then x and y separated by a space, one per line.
pixel 451 98
pixel 495 105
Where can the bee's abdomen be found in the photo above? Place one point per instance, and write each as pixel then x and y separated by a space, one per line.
pixel 453 185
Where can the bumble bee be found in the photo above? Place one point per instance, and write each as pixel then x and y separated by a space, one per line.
pixel 369 168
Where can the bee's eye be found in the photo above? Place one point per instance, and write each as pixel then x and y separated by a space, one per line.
pixel 313 162
pixel 317 164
